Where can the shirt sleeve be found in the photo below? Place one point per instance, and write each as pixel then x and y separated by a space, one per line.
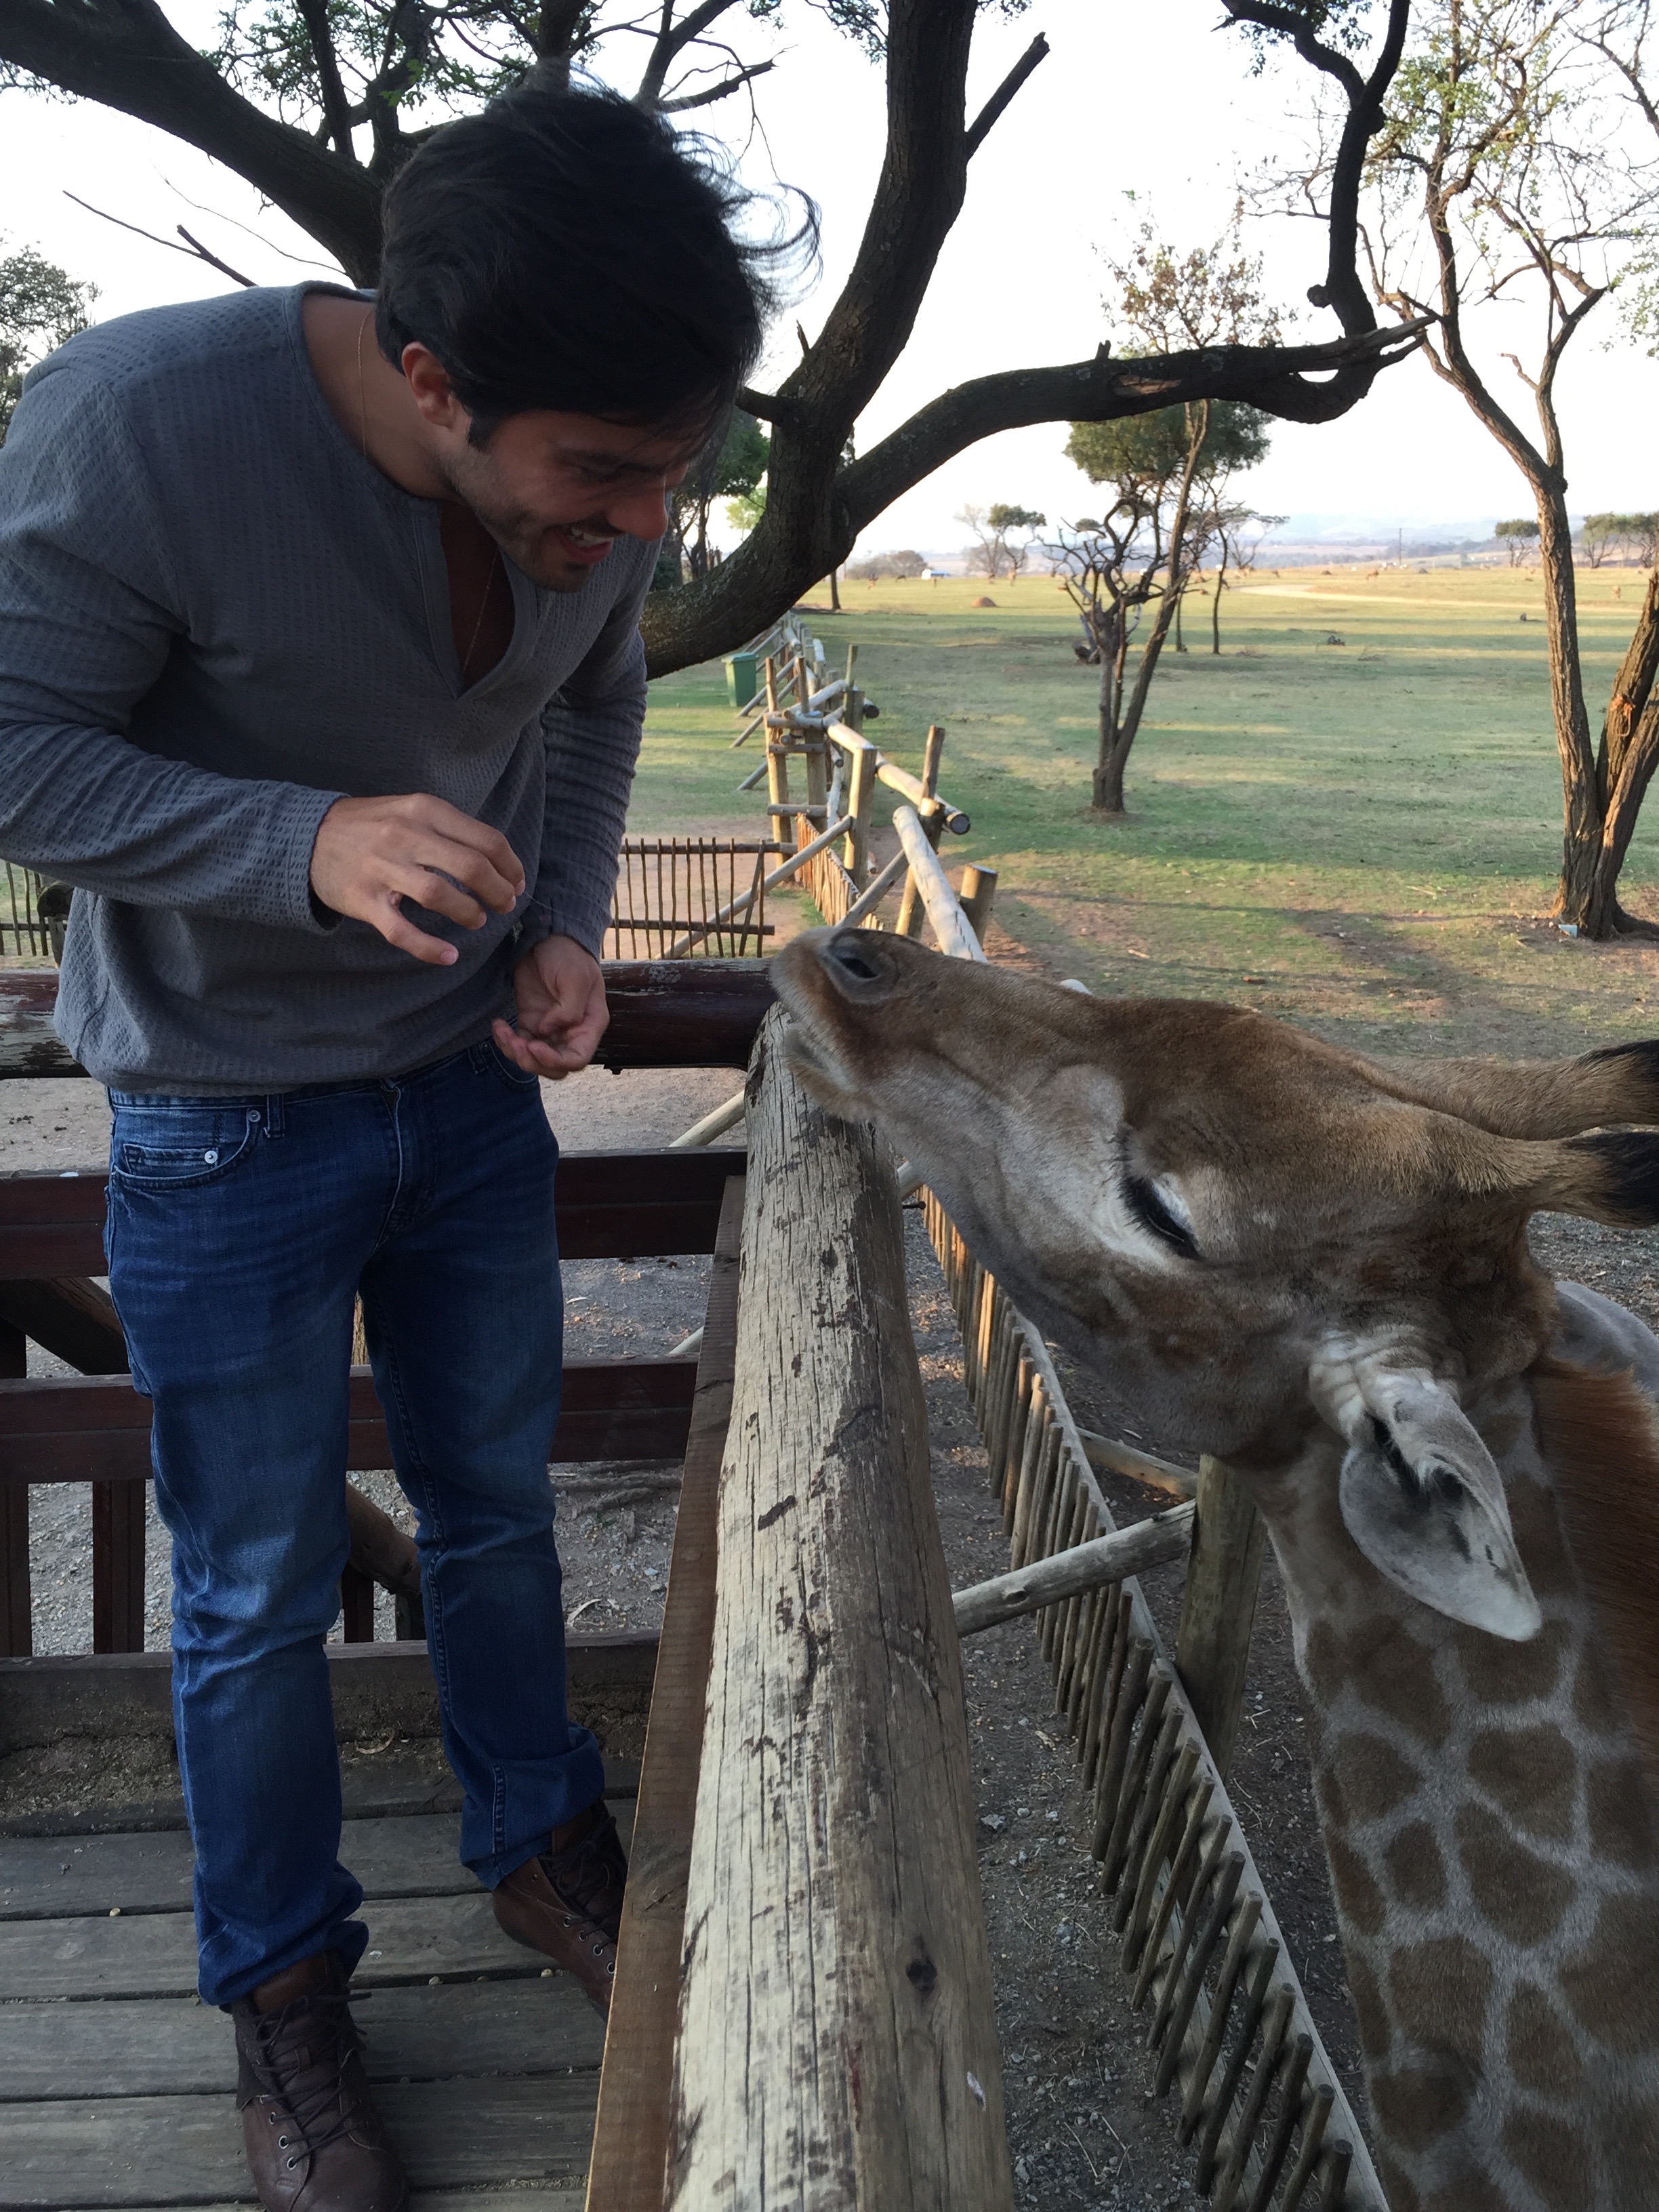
pixel 92 603
pixel 593 726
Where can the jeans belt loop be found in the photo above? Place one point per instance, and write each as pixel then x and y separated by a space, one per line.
pixel 272 1125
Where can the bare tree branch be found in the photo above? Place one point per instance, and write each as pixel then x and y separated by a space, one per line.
pixel 688 100
pixel 980 129
pixel 192 249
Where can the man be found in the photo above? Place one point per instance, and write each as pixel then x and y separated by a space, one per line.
pixel 320 679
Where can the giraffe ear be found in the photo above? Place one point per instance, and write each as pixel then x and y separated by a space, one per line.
pixel 1422 1498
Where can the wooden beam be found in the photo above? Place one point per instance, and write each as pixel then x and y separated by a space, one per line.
pixel 609 1205
pixel 836 2017
pixel 73 1318
pixel 1109 1559
pixel 118 1566
pixel 97 1430
pixel 628 2172
pixel 702 1013
pixel 953 932
pixel 1212 1649
pixel 16 1609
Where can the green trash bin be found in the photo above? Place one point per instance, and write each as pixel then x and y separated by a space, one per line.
pixel 742 678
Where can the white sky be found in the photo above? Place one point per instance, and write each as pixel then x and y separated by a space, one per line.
pixel 1153 102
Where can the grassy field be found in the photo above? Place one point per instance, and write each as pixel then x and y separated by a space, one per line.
pixel 1361 836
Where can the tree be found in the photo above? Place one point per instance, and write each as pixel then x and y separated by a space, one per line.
pixel 1515 167
pixel 41 307
pixel 1597 535
pixel 1004 521
pixel 1519 534
pixel 1231 523
pixel 1167 472
pixel 732 470
pixel 318 102
pixel 908 565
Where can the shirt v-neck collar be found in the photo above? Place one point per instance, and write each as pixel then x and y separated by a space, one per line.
pixel 422 516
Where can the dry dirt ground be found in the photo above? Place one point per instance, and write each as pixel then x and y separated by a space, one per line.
pixel 1086 2131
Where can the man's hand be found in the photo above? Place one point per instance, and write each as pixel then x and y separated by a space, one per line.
pixel 372 852
pixel 562 1015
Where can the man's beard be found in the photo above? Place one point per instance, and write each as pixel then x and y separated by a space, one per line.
pixel 529 543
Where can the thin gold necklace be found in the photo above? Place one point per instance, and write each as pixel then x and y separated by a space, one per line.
pixel 363 439
pixel 362 397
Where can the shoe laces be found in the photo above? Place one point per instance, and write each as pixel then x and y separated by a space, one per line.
pixel 332 2041
pixel 585 1874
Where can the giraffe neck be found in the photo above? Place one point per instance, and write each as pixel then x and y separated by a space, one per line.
pixel 1495 1860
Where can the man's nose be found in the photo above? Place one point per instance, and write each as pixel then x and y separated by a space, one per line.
pixel 641 513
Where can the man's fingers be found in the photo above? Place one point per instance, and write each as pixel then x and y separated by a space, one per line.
pixel 451 826
pixel 434 951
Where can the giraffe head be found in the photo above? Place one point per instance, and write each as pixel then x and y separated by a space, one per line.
pixel 1260 1235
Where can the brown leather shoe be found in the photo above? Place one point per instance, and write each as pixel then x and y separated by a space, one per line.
pixel 314 2140
pixel 568 1903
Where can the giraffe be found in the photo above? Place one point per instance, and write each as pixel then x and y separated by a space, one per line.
pixel 1315 1265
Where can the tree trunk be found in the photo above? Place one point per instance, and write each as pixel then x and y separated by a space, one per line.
pixel 1583 898
pixel 1215 610
pixel 835 591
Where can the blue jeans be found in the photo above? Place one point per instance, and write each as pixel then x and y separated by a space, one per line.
pixel 240 1231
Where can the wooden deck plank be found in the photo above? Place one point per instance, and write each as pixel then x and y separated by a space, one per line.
pixel 154 1954
pixel 179 2151
pixel 630 2143
pixel 168 2046
pixel 72 1877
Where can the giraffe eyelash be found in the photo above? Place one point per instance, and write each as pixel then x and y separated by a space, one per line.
pixel 1156 1216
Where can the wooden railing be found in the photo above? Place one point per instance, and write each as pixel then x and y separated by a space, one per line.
pixel 95 1428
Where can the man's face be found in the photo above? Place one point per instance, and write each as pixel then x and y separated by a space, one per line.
pixel 556 491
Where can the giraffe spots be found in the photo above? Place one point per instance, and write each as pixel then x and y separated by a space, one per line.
pixel 1533 1774
pixel 1542 2054
pixel 1372 1776
pixel 1596 1703
pixel 1399 2188
pixel 1416 1869
pixel 1384 1666
pixel 1621 1823
pixel 1415 2105
pixel 1554 2157
pixel 1613 1985
pixel 1522 1896
pixel 1629 2148
pixel 1474 2193
pixel 1441 1990
pixel 1358 1896
pixel 1375 2035
pixel 1502 1674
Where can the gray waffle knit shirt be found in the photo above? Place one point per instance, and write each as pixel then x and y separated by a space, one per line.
pixel 216 619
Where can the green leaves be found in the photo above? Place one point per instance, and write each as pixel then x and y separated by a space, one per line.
pixel 41 307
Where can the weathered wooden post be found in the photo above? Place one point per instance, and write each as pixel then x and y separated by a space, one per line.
pixel 837 2044
pixel 1218 1610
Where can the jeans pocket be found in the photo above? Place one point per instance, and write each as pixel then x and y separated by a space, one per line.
pixel 180 1145
pixel 512 1075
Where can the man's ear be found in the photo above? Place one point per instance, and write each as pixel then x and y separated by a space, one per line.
pixel 1422 1498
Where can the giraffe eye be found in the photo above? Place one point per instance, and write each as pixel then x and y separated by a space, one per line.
pixel 1155 1215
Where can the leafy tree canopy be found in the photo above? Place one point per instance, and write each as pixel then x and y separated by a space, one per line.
pixel 41 307
pixel 1148 449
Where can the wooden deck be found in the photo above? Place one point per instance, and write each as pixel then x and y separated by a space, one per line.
pixel 116 2081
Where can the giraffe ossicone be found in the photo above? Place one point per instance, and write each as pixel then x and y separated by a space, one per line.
pixel 1315 1265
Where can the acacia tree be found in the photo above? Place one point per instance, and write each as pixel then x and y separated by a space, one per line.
pixel 1512 168
pixel 316 103
pixel 1167 473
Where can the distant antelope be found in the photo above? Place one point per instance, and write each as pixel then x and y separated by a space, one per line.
pixel 1315 1266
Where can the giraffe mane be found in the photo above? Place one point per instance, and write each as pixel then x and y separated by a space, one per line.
pixel 1600 1442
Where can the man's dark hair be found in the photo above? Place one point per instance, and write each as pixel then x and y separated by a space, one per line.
pixel 564 249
